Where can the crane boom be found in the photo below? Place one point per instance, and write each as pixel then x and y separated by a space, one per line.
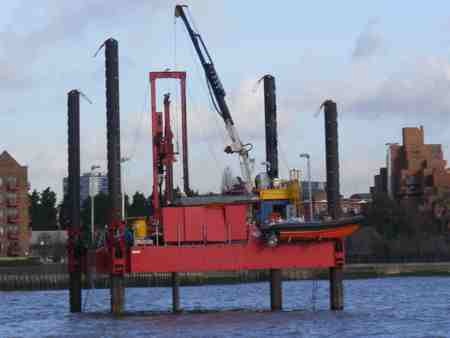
pixel 218 94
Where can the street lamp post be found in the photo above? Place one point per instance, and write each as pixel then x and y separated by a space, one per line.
pixel 122 161
pixel 92 195
pixel 42 243
pixel 308 164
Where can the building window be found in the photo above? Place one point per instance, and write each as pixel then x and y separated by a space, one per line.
pixel 12 181
pixel 12 212
pixel 12 197
pixel 13 228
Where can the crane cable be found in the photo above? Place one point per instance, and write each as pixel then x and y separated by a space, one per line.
pixel 196 109
pixel 200 79
pixel 209 146
pixel 283 156
pixel 138 130
pixel 91 287
pixel 212 100
pixel 179 169
pixel 197 31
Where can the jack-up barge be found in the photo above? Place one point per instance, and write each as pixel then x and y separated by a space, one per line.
pixel 263 227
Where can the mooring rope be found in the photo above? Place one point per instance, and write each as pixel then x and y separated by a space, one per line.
pixel 91 286
pixel 314 291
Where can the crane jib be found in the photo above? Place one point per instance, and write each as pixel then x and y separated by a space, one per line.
pixel 217 93
pixel 214 78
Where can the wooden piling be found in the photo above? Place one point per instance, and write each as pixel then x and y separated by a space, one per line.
pixel 175 292
pixel 336 276
pixel 276 291
pixel 75 291
pixel 117 294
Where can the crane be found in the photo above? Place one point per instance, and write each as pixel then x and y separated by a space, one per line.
pixel 217 93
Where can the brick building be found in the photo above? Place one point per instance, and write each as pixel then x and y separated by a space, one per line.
pixel 415 171
pixel 354 205
pixel 14 203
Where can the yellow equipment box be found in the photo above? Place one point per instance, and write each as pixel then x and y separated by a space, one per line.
pixel 139 227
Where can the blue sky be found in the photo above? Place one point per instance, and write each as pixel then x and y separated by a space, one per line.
pixel 385 63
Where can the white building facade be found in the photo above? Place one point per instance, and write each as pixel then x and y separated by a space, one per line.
pixel 90 184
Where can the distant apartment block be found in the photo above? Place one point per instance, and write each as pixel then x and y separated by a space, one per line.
pixel 14 203
pixel 316 187
pixel 355 204
pixel 95 183
pixel 414 171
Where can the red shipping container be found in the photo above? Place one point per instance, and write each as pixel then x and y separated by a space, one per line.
pixel 194 222
pixel 173 224
pixel 236 218
pixel 216 230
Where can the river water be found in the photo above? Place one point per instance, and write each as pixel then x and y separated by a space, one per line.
pixel 389 307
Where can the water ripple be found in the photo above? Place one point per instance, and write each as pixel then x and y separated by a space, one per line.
pixel 390 307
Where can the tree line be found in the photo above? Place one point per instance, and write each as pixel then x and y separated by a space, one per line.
pixel 43 210
pixel 393 229
pixel 138 206
pixel 46 214
pixel 390 229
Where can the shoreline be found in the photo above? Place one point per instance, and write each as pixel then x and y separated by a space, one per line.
pixel 55 277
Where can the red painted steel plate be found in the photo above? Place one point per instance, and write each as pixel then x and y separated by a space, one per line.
pixel 216 230
pixel 226 257
pixel 194 223
pixel 173 219
pixel 236 218
pixel 102 261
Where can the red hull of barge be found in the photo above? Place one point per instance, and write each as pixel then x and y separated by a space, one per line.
pixel 218 238
pixel 225 257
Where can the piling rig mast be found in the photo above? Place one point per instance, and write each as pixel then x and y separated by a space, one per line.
pixel 163 148
pixel 217 94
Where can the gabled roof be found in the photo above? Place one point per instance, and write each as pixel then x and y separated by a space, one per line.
pixel 363 196
pixel 6 158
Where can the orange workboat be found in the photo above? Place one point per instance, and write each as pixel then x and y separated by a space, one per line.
pixel 287 231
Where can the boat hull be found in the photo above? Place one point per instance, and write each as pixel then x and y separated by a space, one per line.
pixel 327 233
pixel 341 228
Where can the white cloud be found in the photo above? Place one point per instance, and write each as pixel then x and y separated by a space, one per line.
pixel 419 89
pixel 366 89
pixel 369 42
pixel 56 22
